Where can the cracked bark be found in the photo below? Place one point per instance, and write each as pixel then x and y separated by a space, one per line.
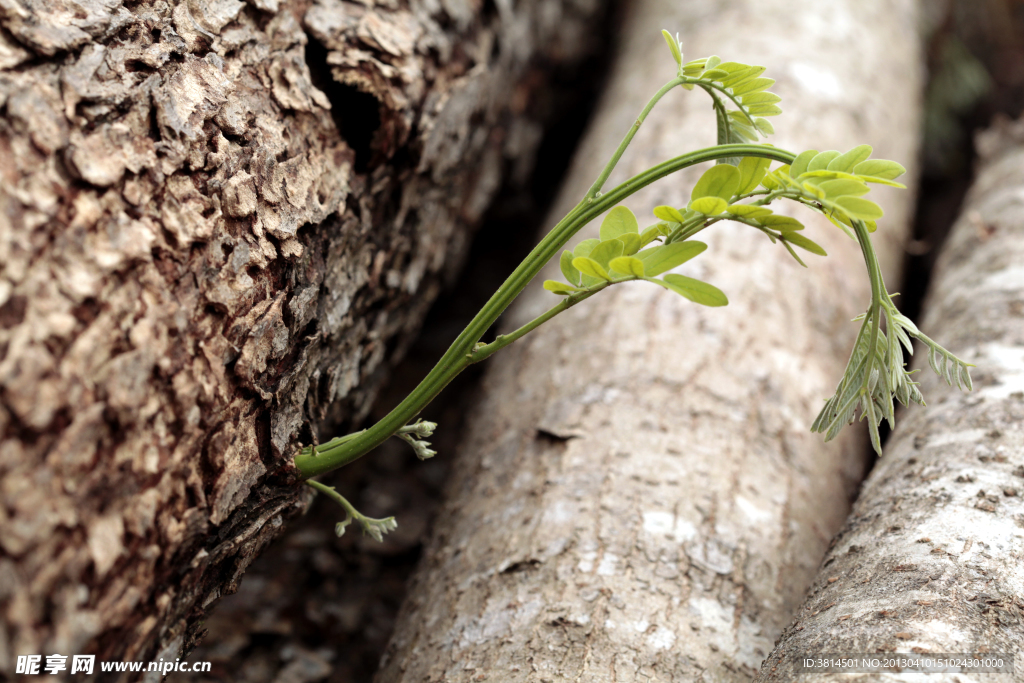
pixel 197 269
pixel 930 559
pixel 638 496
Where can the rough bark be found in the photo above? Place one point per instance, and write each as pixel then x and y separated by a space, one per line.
pixel 638 496
pixel 931 558
pixel 196 264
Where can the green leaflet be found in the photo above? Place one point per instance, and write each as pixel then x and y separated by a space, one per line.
pixel 668 213
pixel 738 78
pixel 714 75
pixel 606 251
pixel 879 168
pixel 804 243
pixel 696 291
pixel 781 223
pixel 710 206
pixel 752 170
pixel 821 160
pixel 845 162
pixel 589 266
pixel 627 265
pixel 760 98
pixel 657 260
pixel 559 288
pixel 799 165
pixel 764 110
pixel 585 247
pixel 718 181
pixel 649 234
pixel 764 126
pixel 857 207
pixel 673 46
pixel 619 221
pixel 568 270
pixel 843 186
pixel 748 211
pixel 753 85
pixel 712 62
pixel 630 243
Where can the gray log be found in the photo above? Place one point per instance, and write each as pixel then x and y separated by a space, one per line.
pixel 932 558
pixel 638 496
pixel 193 266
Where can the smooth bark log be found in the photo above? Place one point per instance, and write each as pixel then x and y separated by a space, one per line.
pixel 639 497
pixel 932 558
pixel 195 264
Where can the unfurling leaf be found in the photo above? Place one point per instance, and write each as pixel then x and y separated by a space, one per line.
pixel 695 290
pixel 570 273
pixel 658 260
pixel 673 46
pixel 709 206
pixel 559 288
pixel 718 181
pixel 589 266
pixel 619 221
pixel 627 265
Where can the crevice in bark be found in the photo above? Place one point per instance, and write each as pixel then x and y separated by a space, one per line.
pixel 355 113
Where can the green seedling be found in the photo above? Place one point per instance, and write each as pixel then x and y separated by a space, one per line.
pixel 740 187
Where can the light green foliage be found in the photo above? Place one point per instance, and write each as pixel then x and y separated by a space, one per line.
pixel 740 187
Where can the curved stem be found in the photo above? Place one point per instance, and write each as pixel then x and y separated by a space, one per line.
pixel 607 170
pixel 314 461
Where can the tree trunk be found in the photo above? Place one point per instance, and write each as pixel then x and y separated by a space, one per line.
pixel 638 496
pixel 930 560
pixel 198 262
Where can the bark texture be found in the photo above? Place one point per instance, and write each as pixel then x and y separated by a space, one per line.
pixel 196 264
pixel 931 558
pixel 638 496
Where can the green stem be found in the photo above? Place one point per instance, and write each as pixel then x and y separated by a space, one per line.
pixel 312 462
pixel 607 170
